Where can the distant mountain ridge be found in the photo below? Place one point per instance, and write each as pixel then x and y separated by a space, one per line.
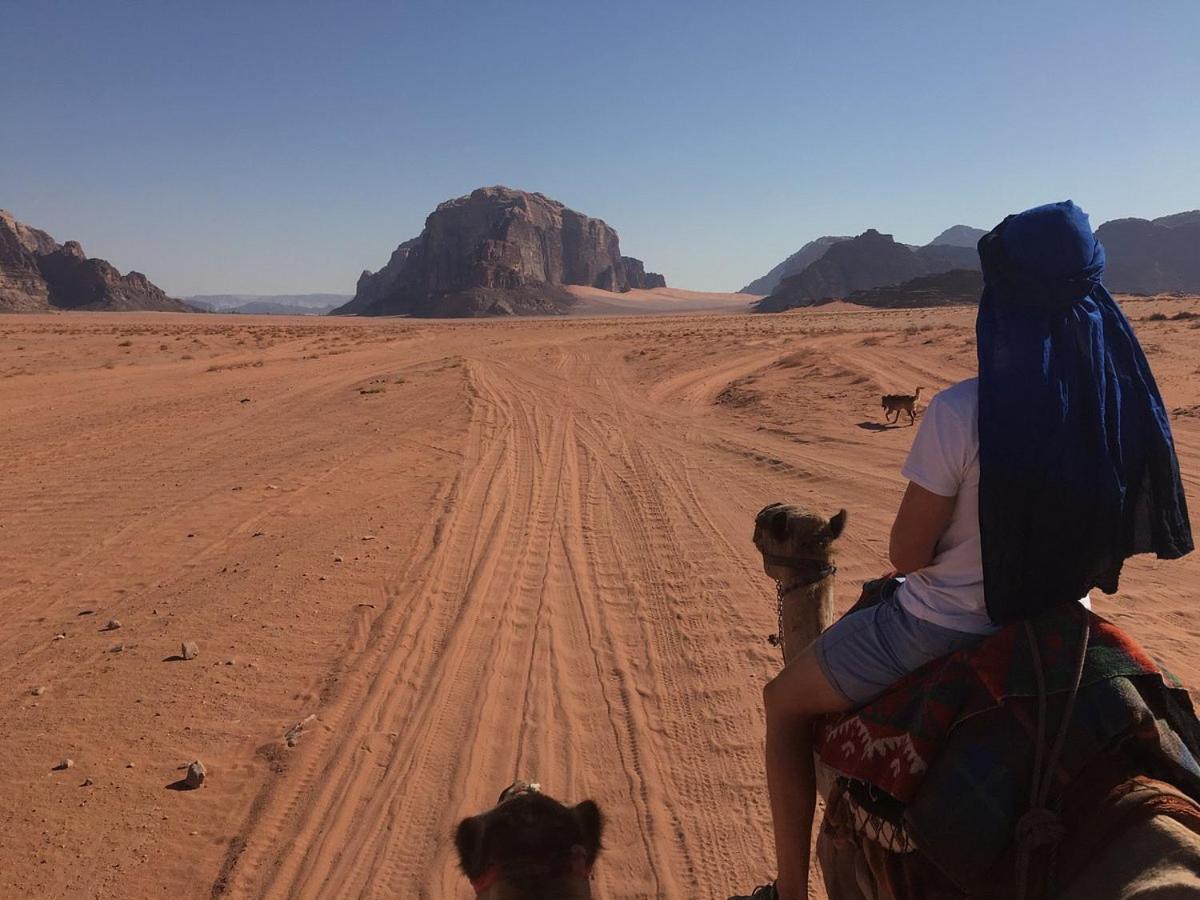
pixel 37 273
pixel 498 251
pixel 868 261
pixel 1144 257
pixel 797 262
pixel 959 236
pixel 269 304
pixel 1152 257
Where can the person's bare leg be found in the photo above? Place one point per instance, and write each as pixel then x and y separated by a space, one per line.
pixel 792 700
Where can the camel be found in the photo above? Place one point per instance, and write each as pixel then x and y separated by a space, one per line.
pixel 898 403
pixel 1137 838
pixel 1151 833
pixel 530 847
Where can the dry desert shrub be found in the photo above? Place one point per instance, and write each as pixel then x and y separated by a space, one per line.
pixel 256 364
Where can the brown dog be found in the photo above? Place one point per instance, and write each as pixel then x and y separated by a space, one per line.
pixel 898 403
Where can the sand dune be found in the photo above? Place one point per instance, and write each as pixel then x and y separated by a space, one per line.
pixel 597 302
pixel 474 550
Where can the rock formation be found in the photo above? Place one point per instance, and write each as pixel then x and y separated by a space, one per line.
pixel 498 251
pixel 953 288
pixel 37 274
pixel 959 236
pixel 1152 257
pixel 797 262
pixel 870 260
pixel 22 287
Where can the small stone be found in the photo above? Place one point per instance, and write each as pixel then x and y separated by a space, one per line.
pixel 196 773
pixel 37 691
pixel 189 650
pixel 112 625
pixel 60 637
pixel 87 782
pixel 86 612
pixel 337 559
pixel 229 662
pixel 130 765
pixel 368 537
pixel 65 764
pixel 116 648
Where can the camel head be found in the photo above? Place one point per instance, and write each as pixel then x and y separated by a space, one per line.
pixel 797 551
pixel 530 847
pixel 795 541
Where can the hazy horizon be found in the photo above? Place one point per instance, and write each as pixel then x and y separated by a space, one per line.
pixel 278 150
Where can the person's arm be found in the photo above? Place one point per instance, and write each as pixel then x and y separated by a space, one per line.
pixel 922 518
pixel 935 466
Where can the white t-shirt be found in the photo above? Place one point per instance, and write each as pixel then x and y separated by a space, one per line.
pixel 944 460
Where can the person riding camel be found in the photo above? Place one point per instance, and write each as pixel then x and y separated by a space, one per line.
pixel 1028 486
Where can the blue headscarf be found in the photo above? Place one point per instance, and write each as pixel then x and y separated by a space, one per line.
pixel 1077 466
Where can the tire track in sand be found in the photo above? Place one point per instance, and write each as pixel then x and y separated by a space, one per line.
pixel 534 634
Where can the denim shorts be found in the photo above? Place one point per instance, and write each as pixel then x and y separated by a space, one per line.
pixel 867 651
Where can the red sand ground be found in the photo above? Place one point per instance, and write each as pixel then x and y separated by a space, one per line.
pixel 545 571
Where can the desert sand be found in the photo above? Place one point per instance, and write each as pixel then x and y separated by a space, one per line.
pixel 474 551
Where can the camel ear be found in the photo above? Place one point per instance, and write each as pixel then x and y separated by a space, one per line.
pixel 470 838
pixel 591 823
pixel 837 524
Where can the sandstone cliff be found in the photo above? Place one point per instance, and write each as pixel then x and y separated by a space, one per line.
pixel 498 251
pixel 37 274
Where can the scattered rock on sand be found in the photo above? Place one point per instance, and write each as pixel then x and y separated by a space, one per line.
pixel 196 773
pixel 116 648
pixel 60 636
pixel 64 764
pixel 87 782
pixel 293 734
pixel 189 650
pixel 37 691
pixel 112 625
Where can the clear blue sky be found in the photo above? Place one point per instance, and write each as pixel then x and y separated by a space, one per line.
pixel 264 147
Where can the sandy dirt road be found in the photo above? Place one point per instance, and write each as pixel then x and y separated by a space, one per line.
pixel 475 551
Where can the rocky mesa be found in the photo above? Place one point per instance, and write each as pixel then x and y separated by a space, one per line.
pixel 498 251
pixel 37 274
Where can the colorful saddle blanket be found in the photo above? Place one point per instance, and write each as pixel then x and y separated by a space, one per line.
pixel 948 752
